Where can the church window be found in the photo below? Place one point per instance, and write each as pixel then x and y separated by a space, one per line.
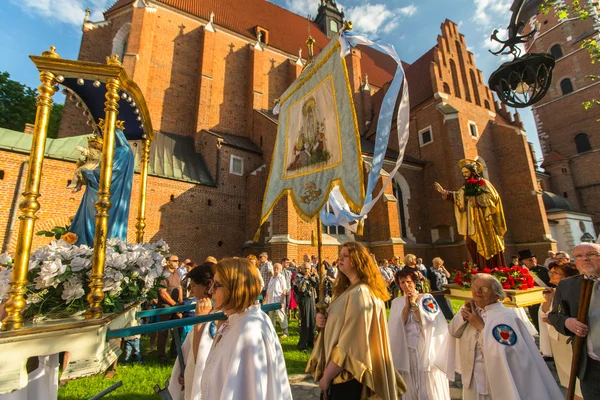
pixel 236 165
pixel 566 86
pixel 486 104
pixel 401 212
pixel 475 90
pixel 333 26
pixel 455 79
pixel 332 230
pixel 262 34
pixel 425 136
pixel 556 51
pixel 473 129
pixel 582 143
pixel 2 176
pixel 564 170
pixel 446 88
pixel 121 40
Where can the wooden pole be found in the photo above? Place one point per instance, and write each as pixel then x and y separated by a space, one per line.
pixel 585 296
pixel 321 305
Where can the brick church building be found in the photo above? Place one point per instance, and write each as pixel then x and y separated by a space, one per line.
pixel 211 72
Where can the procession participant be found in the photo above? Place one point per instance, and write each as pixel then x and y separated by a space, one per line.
pixel 438 276
pixel 305 283
pixel 266 271
pixel 254 261
pixel 562 257
pixel 246 359
pixel 410 263
pixel 498 357
pixel 552 343
pixel 529 260
pixel 197 344
pixel 549 259
pixel 564 316
pixel 169 295
pixel 417 330
pixel 353 359
pixel 276 293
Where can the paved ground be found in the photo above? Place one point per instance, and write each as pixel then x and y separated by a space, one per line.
pixel 303 387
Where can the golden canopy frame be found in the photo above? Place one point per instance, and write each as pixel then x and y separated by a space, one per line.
pixel 53 70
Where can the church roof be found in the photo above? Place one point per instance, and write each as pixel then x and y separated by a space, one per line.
pixel 553 157
pixel 552 202
pixel 239 142
pixel 171 156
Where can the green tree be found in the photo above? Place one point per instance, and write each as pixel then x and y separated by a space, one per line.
pixel 17 106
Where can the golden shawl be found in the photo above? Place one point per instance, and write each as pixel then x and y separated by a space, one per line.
pixel 356 338
pixel 483 219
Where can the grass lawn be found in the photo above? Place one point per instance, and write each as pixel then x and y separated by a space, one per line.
pixel 139 381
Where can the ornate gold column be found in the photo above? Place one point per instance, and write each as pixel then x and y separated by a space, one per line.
pixel 141 224
pixel 103 204
pixel 30 205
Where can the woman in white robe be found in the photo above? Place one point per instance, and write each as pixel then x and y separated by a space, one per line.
pixel 197 344
pixel 246 359
pixel 417 330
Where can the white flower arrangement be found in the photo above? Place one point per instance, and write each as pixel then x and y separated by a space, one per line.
pixel 59 275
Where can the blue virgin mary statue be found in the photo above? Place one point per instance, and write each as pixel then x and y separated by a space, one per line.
pixel 84 223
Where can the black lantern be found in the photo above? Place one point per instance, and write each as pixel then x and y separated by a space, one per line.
pixel 525 80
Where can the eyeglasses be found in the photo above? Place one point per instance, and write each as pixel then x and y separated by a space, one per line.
pixel 589 256
pixel 483 289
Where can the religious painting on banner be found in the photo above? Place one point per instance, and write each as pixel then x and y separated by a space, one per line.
pixel 318 143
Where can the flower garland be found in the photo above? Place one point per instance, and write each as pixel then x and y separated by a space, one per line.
pixel 517 278
pixel 474 187
pixel 59 274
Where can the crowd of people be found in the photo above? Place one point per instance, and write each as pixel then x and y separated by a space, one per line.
pixel 361 352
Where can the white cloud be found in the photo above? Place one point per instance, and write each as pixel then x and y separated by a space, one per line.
pixel 303 7
pixel 69 12
pixel 489 13
pixel 378 18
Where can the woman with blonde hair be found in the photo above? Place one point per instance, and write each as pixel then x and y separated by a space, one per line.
pixel 254 261
pixel 352 358
pixel 246 359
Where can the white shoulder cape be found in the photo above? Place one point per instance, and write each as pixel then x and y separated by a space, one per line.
pixel 435 329
pixel 193 368
pixel 513 362
pixel 247 361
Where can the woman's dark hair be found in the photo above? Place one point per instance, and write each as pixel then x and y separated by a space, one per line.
pixel 404 273
pixel 567 269
pixel 202 274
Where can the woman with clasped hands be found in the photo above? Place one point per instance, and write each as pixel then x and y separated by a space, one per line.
pixel 245 360
pixel 417 330
pixel 498 357
pixel 352 358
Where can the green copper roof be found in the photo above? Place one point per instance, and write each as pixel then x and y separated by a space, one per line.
pixel 171 156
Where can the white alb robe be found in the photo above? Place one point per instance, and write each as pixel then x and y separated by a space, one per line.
pixel 194 367
pixel 515 368
pixel 42 384
pixel 420 368
pixel 246 361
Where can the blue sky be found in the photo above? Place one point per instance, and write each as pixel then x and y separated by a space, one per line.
pixel 31 26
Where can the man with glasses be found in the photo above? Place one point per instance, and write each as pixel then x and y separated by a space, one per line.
pixel 564 316
pixel 169 295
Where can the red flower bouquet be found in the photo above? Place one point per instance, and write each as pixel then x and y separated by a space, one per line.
pixel 515 278
pixel 474 187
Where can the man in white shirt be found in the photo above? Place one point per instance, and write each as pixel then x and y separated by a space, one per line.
pixel 276 291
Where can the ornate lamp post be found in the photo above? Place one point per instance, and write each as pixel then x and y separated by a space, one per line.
pixel 525 80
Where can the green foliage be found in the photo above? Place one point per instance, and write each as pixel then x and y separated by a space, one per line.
pixel 57 232
pixel 18 106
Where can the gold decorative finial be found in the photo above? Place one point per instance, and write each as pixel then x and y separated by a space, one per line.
pixel 50 53
pixel 119 124
pixel 347 25
pixel 113 60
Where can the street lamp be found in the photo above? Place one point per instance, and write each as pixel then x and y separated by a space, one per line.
pixel 525 80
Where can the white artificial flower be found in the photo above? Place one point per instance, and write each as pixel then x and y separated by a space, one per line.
pixel 5 259
pixel 80 263
pixel 144 263
pixel 34 298
pixel 133 256
pixel 33 264
pixel 113 274
pixel 72 289
pixel 112 286
pixel 5 276
pixel 116 260
pixel 49 271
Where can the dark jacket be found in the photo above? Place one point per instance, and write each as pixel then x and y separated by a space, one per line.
pixel 565 306
pixel 542 273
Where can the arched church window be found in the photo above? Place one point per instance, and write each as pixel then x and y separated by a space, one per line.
pixel 582 143
pixel 446 88
pixel 455 79
pixel 556 51
pixel 401 213
pixel 566 86
pixel 121 40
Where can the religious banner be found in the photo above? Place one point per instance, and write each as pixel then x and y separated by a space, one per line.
pixel 318 143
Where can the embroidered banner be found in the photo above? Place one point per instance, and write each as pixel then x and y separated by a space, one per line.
pixel 318 143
